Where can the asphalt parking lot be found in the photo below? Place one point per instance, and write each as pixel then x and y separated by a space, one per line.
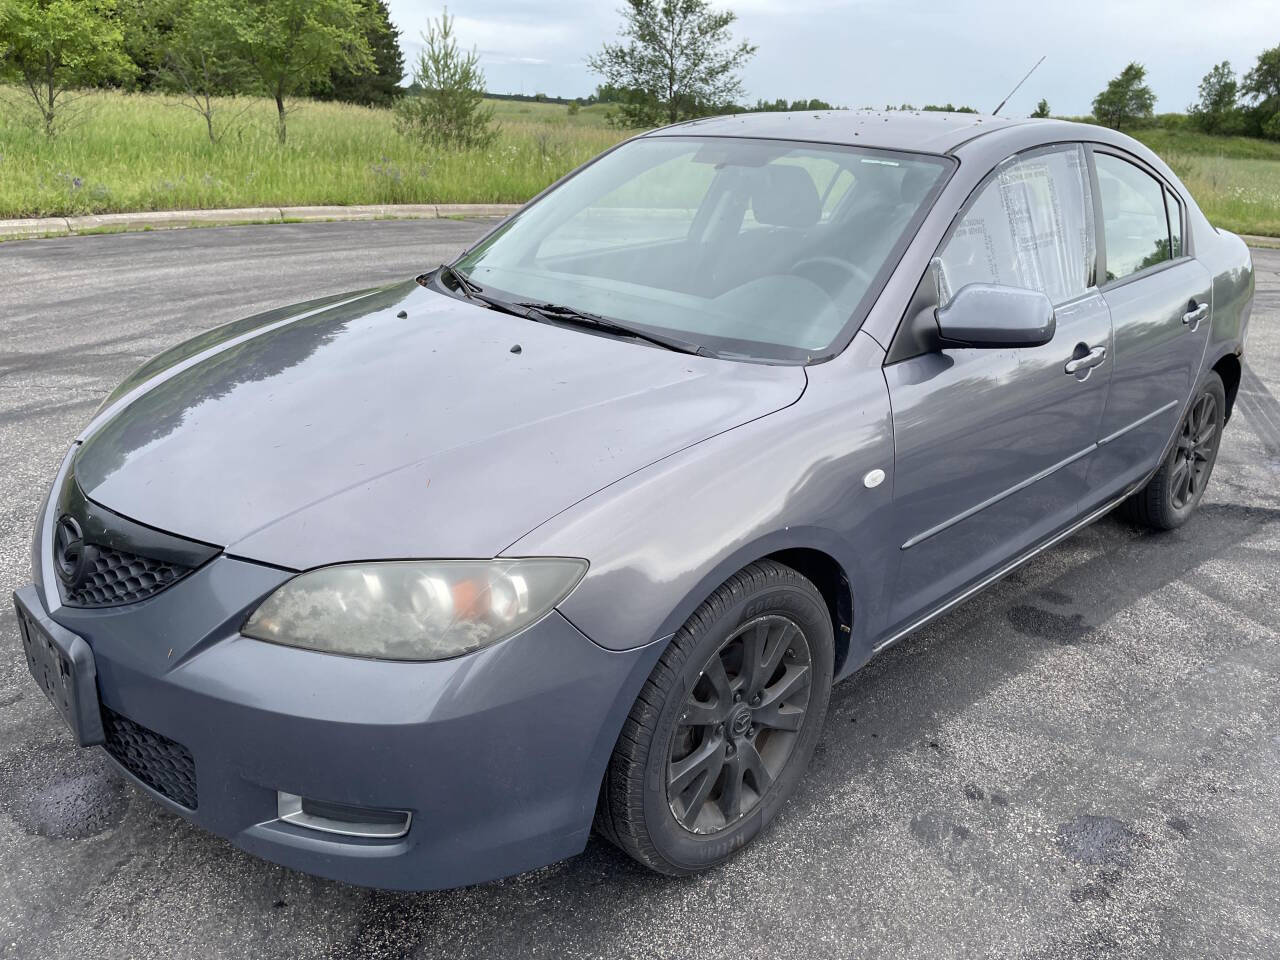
pixel 1084 761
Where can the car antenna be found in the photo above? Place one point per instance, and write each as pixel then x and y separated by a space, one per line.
pixel 997 110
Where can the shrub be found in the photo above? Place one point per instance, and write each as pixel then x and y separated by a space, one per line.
pixel 448 110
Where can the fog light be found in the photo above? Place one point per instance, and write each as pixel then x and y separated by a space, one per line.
pixel 342 819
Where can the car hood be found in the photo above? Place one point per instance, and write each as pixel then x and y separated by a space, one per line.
pixel 399 423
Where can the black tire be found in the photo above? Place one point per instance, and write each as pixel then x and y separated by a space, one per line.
pixel 1172 495
pixel 767 607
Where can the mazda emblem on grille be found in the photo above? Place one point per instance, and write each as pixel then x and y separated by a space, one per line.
pixel 69 551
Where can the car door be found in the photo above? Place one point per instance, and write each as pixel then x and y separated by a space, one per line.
pixel 992 445
pixel 1159 298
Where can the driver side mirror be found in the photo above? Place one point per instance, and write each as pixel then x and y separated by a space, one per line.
pixel 991 316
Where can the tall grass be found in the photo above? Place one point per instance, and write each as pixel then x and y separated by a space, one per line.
pixel 1236 194
pixel 144 152
pixel 1235 180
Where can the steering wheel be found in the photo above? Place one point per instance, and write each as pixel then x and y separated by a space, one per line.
pixel 820 271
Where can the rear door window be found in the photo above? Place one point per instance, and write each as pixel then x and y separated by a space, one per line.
pixel 1135 220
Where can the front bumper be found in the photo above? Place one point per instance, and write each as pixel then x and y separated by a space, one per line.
pixel 498 755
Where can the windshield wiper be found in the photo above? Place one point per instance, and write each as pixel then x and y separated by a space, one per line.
pixel 468 289
pixel 559 313
pixel 460 280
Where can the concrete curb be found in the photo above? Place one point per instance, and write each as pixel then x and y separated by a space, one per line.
pixel 177 219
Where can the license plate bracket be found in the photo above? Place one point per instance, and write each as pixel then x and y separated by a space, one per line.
pixel 62 665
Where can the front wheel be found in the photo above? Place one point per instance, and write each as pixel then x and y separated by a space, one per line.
pixel 725 725
pixel 1171 496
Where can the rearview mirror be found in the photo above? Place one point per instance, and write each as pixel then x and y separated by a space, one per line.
pixel 986 315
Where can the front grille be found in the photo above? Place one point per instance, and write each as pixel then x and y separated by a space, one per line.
pixel 113 577
pixel 162 764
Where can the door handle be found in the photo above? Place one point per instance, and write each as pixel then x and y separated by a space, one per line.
pixel 1193 316
pixel 1090 359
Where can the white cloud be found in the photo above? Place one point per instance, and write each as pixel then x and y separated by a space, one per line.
pixel 881 51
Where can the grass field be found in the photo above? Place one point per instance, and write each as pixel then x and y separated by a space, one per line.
pixel 144 152
pixel 1236 180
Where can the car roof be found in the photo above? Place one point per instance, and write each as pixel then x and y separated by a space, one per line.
pixel 922 131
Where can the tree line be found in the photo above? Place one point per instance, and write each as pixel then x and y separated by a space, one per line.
pixel 1249 106
pixel 199 50
pixel 673 60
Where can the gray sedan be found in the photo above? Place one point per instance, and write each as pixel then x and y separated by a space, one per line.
pixel 414 586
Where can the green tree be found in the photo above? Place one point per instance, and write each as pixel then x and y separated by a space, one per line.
pixel 381 87
pixel 678 58
pixel 147 26
pixel 51 48
pixel 1216 108
pixel 289 45
pixel 1042 109
pixel 1262 87
pixel 1127 98
pixel 202 60
pixel 449 110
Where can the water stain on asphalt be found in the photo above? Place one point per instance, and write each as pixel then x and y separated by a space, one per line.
pixel 1179 826
pixel 68 795
pixel 1091 891
pixel 1033 621
pixel 1097 840
pixel 934 827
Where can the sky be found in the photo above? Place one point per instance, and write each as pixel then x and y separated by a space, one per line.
pixel 875 52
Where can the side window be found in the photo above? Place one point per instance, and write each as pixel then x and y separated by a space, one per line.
pixel 1030 225
pixel 1135 221
pixel 1175 223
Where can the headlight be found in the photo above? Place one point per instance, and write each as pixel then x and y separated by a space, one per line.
pixel 412 610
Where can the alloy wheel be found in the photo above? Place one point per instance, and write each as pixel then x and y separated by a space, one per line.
pixel 1193 457
pixel 739 724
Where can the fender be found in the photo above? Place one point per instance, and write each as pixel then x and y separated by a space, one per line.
pixel 662 539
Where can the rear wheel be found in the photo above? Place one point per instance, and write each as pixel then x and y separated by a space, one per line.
pixel 1171 496
pixel 725 724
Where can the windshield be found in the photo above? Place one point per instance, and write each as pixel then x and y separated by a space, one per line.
pixel 745 247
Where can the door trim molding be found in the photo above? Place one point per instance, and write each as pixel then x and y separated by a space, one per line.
pixel 992 501
pixel 1111 437
pixel 1004 571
